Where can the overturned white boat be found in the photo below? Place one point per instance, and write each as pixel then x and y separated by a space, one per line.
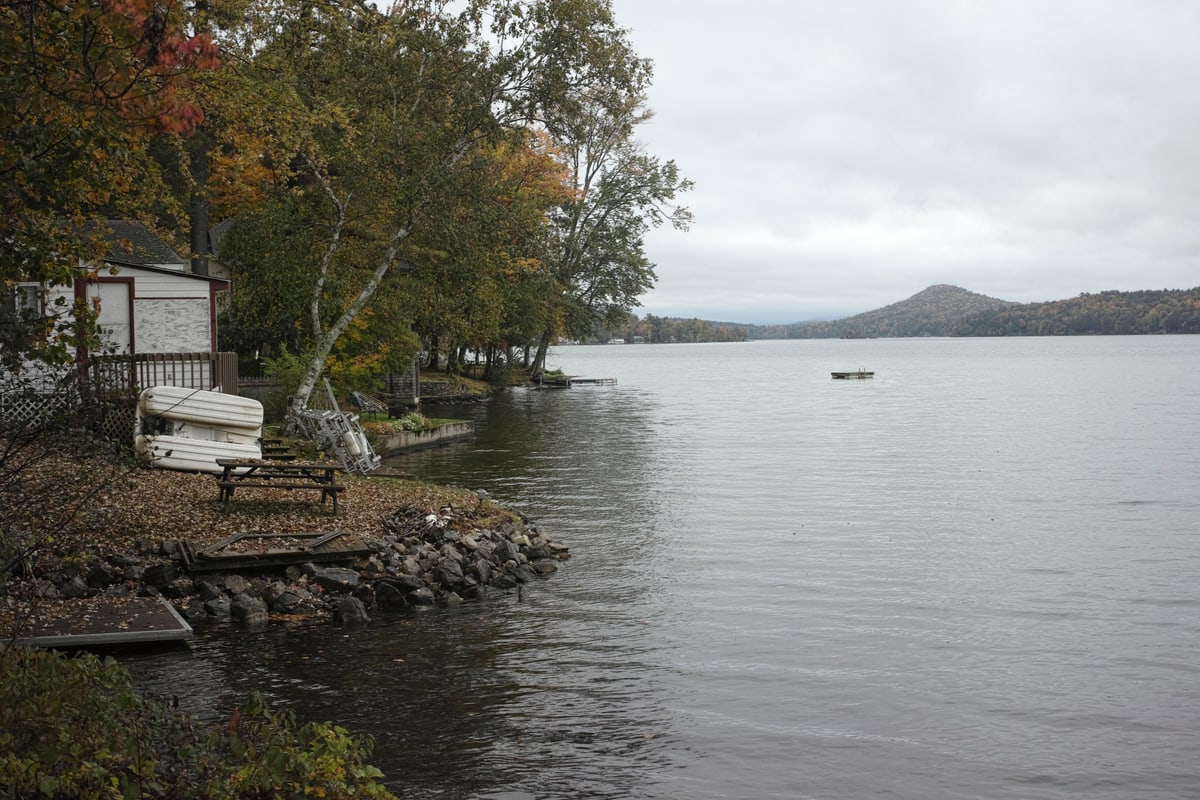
pixel 213 409
pixel 189 429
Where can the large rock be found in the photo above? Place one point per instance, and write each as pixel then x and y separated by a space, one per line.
pixel 350 612
pixel 179 588
pixel 388 596
pixel 522 573
pixel 421 597
pixel 195 613
pixel 403 583
pixel 100 576
pixel 236 584
pixel 290 600
pixel 123 560
pixel 337 579
pixel 503 580
pixel 483 570
pixel 249 611
pixel 449 573
pixel 507 551
pixel 365 593
pixel 535 552
pixel 159 575
pixel 219 607
pixel 75 587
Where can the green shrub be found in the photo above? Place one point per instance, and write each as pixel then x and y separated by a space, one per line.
pixel 412 421
pixel 288 368
pixel 75 728
pixel 271 756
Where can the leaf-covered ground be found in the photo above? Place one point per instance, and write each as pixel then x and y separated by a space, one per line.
pixel 74 507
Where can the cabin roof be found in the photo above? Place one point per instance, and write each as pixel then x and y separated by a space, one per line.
pixel 166 271
pixel 132 243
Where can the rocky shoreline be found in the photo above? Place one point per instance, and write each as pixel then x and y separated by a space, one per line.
pixel 418 560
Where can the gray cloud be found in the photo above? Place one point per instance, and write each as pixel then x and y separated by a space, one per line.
pixel 848 155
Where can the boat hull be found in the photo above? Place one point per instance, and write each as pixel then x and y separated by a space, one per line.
pixel 191 454
pixel 208 409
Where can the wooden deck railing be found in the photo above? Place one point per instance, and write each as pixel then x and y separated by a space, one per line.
pixel 129 374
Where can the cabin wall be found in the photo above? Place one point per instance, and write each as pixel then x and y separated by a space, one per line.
pixel 147 312
pixel 175 325
pixel 157 286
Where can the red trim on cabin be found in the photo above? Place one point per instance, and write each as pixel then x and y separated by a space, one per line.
pixel 81 351
pixel 213 288
pixel 129 282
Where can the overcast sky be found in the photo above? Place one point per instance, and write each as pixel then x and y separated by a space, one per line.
pixel 849 154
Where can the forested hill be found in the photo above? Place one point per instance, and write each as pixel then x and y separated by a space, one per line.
pixel 950 311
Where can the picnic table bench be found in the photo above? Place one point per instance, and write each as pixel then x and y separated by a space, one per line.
pixel 238 473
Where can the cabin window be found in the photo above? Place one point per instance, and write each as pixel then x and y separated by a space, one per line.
pixel 20 306
pixel 22 300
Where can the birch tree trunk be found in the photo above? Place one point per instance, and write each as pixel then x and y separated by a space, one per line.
pixel 325 342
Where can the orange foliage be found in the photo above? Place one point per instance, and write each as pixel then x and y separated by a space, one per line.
pixel 83 85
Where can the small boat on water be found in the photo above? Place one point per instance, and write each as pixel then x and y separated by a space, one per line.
pixel 854 375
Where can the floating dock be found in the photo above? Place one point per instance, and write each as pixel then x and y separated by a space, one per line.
pixel 99 622
pixel 567 381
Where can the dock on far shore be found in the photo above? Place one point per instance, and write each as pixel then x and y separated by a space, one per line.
pixel 567 381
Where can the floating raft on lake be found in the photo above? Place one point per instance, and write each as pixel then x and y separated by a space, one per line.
pixel 98 622
pixel 853 375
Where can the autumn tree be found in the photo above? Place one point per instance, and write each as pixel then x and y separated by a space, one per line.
pixel 377 108
pixel 83 88
pixel 597 260
pixel 479 282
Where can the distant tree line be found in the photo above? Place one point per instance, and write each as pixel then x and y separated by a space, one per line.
pixel 673 330
pixel 951 311
pixel 1113 313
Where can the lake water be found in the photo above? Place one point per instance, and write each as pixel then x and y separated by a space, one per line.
pixel 973 576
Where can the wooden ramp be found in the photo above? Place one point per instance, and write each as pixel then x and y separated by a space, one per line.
pixel 98 622
pixel 266 550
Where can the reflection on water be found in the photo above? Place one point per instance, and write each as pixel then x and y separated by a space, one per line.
pixel 459 701
pixel 554 690
pixel 972 576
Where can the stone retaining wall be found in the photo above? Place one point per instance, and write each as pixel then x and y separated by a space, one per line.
pixel 402 441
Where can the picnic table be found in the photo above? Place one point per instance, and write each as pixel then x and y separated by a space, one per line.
pixel 237 473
